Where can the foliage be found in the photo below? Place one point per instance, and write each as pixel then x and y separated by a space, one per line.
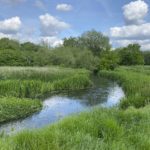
pixel 146 55
pixel 131 55
pixel 6 43
pixel 95 41
pixel 73 57
pixel 109 60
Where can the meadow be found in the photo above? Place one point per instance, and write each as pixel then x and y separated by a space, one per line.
pixel 100 129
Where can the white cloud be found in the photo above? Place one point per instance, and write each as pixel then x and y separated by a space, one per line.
pixel 135 30
pixel 10 26
pixel 135 11
pixel 51 26
pixel 64 7
pixel 132 31
pixel 40 4
pixel 52 41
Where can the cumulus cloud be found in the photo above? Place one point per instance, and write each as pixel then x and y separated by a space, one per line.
pixel 132 31
pixel 135 11
pixel 51 26
pixel 64 7
pixel 10 26
pixel 53 41
pixel 136 29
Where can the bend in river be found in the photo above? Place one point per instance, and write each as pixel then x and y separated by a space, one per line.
pixel 104 93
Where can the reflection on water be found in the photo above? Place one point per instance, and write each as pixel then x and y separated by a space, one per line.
pixel 104 93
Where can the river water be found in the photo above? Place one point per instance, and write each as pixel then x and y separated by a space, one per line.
pixel 104 93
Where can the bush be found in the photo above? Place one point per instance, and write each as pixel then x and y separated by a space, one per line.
pixel 108 60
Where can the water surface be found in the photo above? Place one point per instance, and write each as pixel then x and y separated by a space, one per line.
pixel 104 93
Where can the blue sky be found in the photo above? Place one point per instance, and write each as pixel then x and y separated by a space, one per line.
pixel 52 20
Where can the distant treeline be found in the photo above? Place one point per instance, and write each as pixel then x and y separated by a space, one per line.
pixel 91 50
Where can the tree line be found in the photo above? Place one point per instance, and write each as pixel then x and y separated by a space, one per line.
pixel 91 50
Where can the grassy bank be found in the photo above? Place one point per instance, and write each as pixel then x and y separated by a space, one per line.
pixel 33 82
pixel 135 82
pixel 13 108
pixel 100 129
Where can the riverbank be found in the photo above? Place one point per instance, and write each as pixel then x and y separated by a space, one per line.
pixel 21 86
pixel 100 129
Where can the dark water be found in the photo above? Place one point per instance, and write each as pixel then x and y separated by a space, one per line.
pixel 105 93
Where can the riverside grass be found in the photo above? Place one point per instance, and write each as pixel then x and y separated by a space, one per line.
pixel 100 129
pixel 135 82
pixel 19 83
pixel 13 108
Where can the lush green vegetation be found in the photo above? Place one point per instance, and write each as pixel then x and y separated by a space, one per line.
pixel 13 108
pixel 135 82
pixel 93 46
pixel 115 129
pixel 28 82
pixel 101 128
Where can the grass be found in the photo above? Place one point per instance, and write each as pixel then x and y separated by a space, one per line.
pixel 135 82
pixel 13 108
pixel 38 73
pixel 100 129
pixel 19 83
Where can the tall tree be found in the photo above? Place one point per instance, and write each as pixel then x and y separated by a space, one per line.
pixel 131 55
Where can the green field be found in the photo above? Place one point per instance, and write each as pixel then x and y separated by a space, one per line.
pixel 101 129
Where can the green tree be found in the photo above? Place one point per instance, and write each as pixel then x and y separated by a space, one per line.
pixel 109 60
pixel 91 40
pixel 131 55
pixel 95 41
pixel 71 42
pixel 28 46
pixel 6 43
pixel 146 55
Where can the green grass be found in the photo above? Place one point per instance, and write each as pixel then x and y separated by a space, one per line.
pixel 33 83
pixel 38 73
pixel 135 82
pixel 100 129
pixel 13 108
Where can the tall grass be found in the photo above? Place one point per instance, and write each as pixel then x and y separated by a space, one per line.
pixel 38 73
pixel 97 130
pixel 35 88
pixel 135 83
pixel 13 108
